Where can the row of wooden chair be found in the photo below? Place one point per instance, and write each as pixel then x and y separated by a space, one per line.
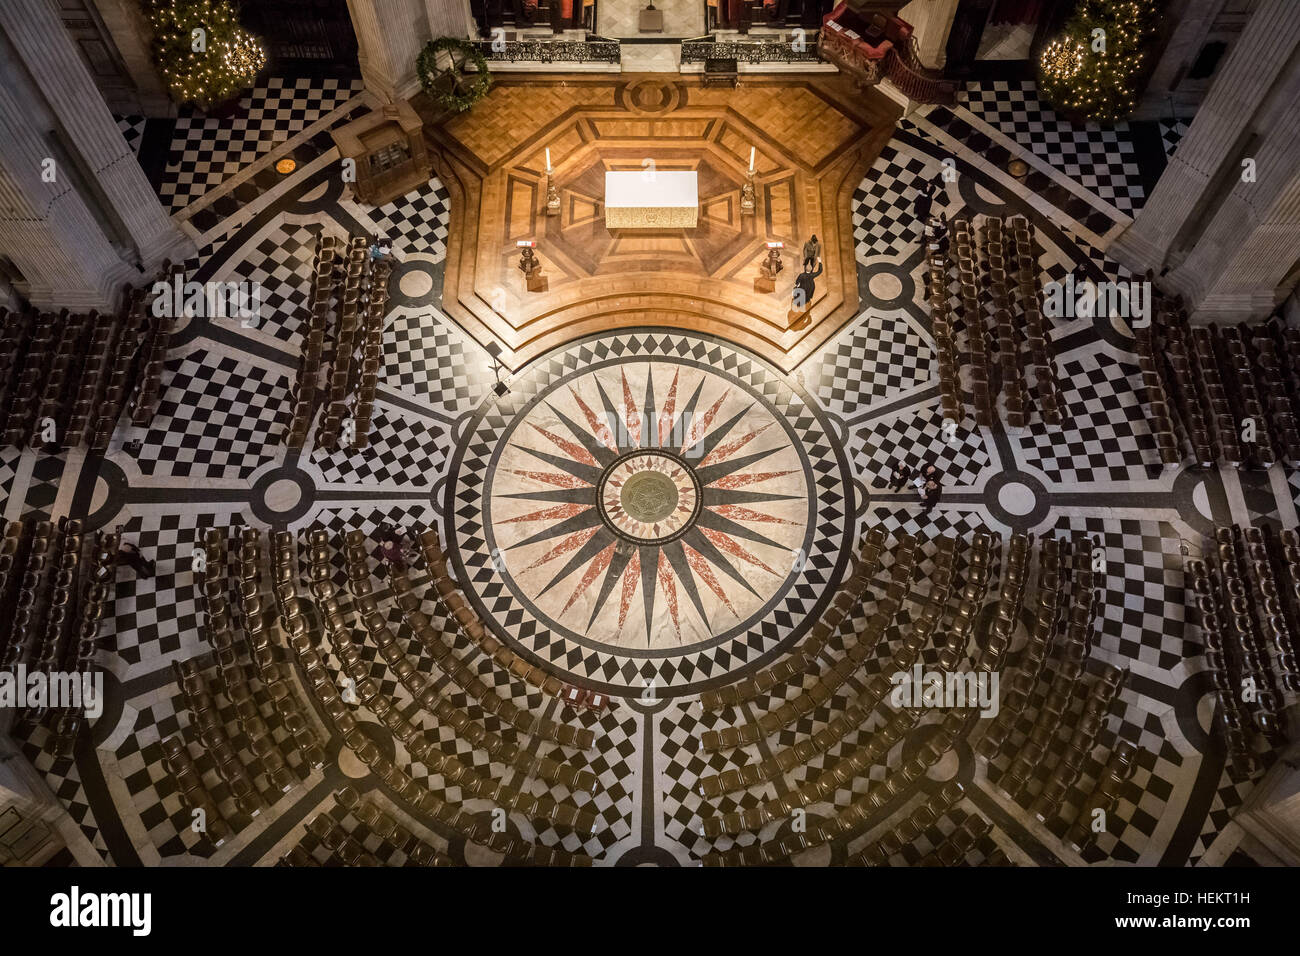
pixel 1157 399
pixel 954 849
pixel 1118 769
pixel 322 686
pixel 963 250
pixel 950 397
pixel 96 598
pixel 233 680
pixel 876 689
pixel 21 631
pixel 999 291
pixel 193 792
pixel 39 355
pixel 395 845
pixel 562 814
pixel 106 334
pixel 1231 713
pixel 1279 384
pixel 805 655
pixel 60 616
pixel 926 815
pixel 1037 340
pixel 341 371
pixel 152 356
pixel 1087 730
pixel 372 353
pixel 425 691
pixel 467 620
pixel 206 717
pixel 1034 655
pixel 306 380
pixel 809 699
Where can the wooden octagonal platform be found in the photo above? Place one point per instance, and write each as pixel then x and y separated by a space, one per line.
pixel 815 138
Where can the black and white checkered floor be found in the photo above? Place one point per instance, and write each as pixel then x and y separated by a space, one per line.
pixel 869 397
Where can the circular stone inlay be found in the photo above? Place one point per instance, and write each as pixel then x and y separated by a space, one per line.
pixel 885 285
pixel 649 497
pixel 283 494
pixel 415 283
pixel 1016 498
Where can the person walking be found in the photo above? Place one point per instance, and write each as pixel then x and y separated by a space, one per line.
pixel 143 567
pixel 812 251
pixel 805 284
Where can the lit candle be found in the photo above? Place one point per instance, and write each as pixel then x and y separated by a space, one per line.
pixel 548 159
pixel 751 159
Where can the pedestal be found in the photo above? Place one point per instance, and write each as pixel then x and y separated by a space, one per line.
pixel 764 284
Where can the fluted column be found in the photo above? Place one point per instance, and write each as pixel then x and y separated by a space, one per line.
pixel 931 21
pixel 1265 51
pixel 451 18
pixel 390 35
pixel 100 206
pixel 129 29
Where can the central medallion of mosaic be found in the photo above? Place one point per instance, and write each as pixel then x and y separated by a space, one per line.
pixel 649 497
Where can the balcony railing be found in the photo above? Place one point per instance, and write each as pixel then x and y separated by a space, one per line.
pixel 914 79
pixel 591 50
pixel 754 51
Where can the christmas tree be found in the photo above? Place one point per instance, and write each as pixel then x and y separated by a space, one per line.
pixel 204 55
pixel 1094 70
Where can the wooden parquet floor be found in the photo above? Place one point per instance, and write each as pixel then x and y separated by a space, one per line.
pixel 814 136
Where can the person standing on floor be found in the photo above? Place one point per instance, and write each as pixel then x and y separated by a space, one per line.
pixel 899 475
pixel 812 251
pixel 924 201
pixel 929 496
pixel 805 284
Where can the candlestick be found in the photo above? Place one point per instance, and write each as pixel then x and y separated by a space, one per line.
pixel 751 159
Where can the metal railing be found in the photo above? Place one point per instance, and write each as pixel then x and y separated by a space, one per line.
pixel 752 51
pixel 594 49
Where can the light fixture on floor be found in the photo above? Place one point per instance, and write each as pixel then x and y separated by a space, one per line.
pixel 494 350
pixel 285 166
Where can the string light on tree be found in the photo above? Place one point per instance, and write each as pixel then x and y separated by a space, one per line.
pixel 1096 67
pixel 204 55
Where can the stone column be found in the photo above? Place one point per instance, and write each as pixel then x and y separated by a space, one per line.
pixel 98 223
pixel 130 31
pixel 1262 61
pixel 1195 19
pixel 931 20
pixel 390 35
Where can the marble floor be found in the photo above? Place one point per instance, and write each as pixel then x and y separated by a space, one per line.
pixel 652 512
pixel 620 18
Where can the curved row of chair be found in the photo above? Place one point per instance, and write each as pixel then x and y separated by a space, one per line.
pixel 63 372
pixel 952 851
pixel 458 610
pixel 813 697
pixel 1118 769
pixel 1069 768
pixel 205 716
pixel 419 746
pixel 322 686
pixel 802 658
pixel 424 690
pixel 193 793
pixel 1034 655
pixel 394 844
pixel 877 688
pixel 917 822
